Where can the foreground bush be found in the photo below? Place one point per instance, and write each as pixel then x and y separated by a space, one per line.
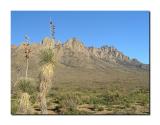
pixel 26 90
pixel 26 86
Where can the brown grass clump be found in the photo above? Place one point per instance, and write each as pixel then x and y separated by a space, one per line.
pixel 25 90
pixel 47 71
pixel 24 104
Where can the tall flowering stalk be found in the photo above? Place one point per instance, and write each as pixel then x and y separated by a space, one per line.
pixel 24 101
pixel 27 51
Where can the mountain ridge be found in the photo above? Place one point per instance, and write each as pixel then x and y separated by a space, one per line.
pixel 106 53
pixel 76 50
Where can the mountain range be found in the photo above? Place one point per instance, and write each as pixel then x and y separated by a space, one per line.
pixel 78 63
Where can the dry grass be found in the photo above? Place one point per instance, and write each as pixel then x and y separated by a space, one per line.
pixel 24 104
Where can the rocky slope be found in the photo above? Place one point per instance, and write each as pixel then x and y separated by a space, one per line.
pixel 75 48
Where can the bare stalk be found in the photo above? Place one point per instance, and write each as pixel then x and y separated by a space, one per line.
pixel 27 60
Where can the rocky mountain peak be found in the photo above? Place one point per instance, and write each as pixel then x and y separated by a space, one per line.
pixel 109 53
pixel 49 42
pixel 75 45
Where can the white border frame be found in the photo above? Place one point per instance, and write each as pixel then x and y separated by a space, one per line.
pixel 6 6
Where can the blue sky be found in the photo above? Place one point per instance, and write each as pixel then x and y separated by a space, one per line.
pixel 128 31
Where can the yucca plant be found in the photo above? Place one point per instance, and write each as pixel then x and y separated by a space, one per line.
pixel 43 102
pixel 24 104
pixel 27 51
pixel 47 61
pixel 24 85
pixel 25 89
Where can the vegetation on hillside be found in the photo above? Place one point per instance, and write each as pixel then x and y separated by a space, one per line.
pixel 75 99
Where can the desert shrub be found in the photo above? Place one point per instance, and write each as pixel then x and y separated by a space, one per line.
pixel 26 86
pixel 95 100
pixel 14 106
pixel 69 102
pixel 108 98
pixel 33 98
pixel 112 97
pixel 24 96
pixel 140 96
pixel 24 106
pixel 125 101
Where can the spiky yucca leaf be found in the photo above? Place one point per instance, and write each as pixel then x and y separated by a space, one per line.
pixel 47 56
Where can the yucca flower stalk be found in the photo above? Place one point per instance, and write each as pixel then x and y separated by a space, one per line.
pixel 27 50
pixel 23 84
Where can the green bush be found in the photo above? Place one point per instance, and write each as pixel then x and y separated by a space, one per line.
pixel 26 86
pixel 14 106
pixel 140 96
pixel 69 101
